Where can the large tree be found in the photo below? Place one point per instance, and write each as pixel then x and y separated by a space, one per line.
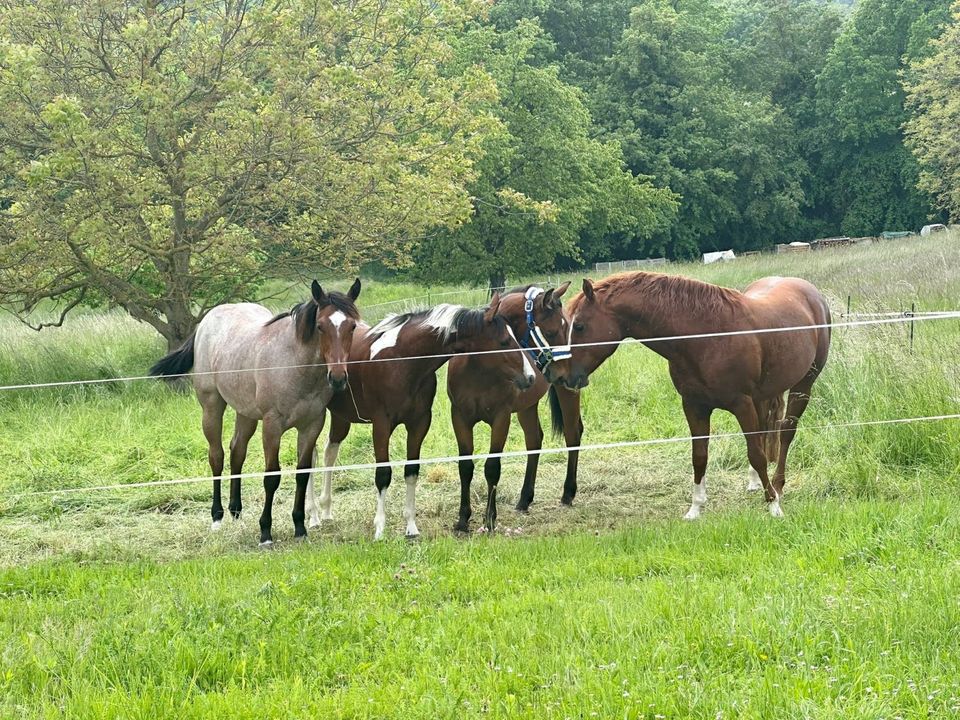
pixel 547 190
pixel 166 155
pixel 866 176
pixel 933 131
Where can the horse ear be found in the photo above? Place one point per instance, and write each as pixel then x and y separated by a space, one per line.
pixel 558 293
pixel 354 292
pixel 318 294
pixel 491 311
pixel 588 290
pixel 551 298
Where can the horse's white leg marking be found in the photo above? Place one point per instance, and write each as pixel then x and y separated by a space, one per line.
pixel 527 367
pixel 310 503
pixel 380 519
pixel 215 525
pixel 337 319
pixel 330 454
pixel 410 508
pixel 698 501
pixel 753 481
pixel 387 340
pixel 774 507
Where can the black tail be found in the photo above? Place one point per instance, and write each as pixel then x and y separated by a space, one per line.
pixel 179 362
pixel 556 412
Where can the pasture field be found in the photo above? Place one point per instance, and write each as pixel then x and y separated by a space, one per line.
pixel 123 604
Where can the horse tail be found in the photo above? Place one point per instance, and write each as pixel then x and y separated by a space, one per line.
pixel 556 412
pixel 179 362
pixel 772 413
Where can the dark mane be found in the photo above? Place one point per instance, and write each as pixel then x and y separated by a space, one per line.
pixel 518 289
pixel 665 292
pixel 304 314
pixel 448 321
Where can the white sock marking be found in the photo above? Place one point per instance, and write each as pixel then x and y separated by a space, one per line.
pixel 774 507
pixel 380 519
pixel 410 507
pixel 330 454
pixel 698 500
pixel 753 481
pixel 215 525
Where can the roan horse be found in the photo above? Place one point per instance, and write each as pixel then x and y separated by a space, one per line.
pixel 746 374
pixel 281 369
pixel 481 391
pixel 398 387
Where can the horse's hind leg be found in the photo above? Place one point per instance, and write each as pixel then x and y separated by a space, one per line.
pixel 746 414
pixel 796 405
pixel 213 408
pixel 411 472
pixel 698 418
pixel 242 432
pixel 533 435
pixel 769 415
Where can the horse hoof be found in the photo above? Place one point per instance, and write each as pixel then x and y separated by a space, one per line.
pixel 412 537
pixel 266 545
pixel 692 514
pixel 566 501
pixel 300 538
pixel 775 509
pixel 315 523
pixel 525 509
pixel 215 525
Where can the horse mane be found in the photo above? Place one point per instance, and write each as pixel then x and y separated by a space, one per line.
pixel 518 289
pixel 445 319
pixel 304 314
pixel 666 292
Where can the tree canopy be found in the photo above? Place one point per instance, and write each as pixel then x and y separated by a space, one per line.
pixel 167 156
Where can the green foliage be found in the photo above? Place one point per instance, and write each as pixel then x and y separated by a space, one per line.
pixel 868 180
pixel 546 188
pixel 934 129
pixel 168 156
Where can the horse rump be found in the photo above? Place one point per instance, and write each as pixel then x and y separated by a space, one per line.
pixel 176 363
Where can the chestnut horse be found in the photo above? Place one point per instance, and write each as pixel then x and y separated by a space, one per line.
pixel 746 374
pixel 281 369
pixel 479 391
pixel 400 391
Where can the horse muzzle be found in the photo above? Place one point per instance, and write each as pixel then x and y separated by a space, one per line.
pixel 337 381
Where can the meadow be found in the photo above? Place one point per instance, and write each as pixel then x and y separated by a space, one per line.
pixel 121 603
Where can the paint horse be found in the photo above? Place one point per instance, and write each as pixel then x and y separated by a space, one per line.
pixel 480 391
pixel 281 369
pixel 397 387
pixel 746 374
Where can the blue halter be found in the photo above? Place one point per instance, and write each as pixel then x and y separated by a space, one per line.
pixel 534 342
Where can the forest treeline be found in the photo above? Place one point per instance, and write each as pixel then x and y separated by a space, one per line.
pixel 165 156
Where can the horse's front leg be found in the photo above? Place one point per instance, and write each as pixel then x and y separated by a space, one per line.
pixel 569 401
pixel 533 437
pixel 491 468
pixel 243 430
pixel 306 459
pixel 463 429
pixel 382 430
pixel 416 432
pixel 272 431
pixel 339 429
pixel 698 418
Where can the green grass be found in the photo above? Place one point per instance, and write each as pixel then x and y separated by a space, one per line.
pixel 123 604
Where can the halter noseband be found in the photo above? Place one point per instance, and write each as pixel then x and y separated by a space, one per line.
pixel 534 342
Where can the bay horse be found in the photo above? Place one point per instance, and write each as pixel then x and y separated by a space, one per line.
pixel 391 392
pixel 746 375
pixel 282 369
pixel 480 391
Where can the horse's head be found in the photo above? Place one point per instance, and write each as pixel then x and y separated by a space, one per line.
pixel 487 331
pixel 539 322
pixel 334 322
pixel 591 320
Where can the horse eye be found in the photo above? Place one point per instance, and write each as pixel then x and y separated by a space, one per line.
pixel 578 327
pixel 504 343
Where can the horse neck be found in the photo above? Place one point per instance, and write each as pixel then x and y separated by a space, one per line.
pixel 640 318
pixel 429 349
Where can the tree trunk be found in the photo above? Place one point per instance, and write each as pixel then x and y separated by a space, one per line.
pixel 497 280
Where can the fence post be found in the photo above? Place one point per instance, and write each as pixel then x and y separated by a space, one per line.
pixel 913 308
pixel 848 304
